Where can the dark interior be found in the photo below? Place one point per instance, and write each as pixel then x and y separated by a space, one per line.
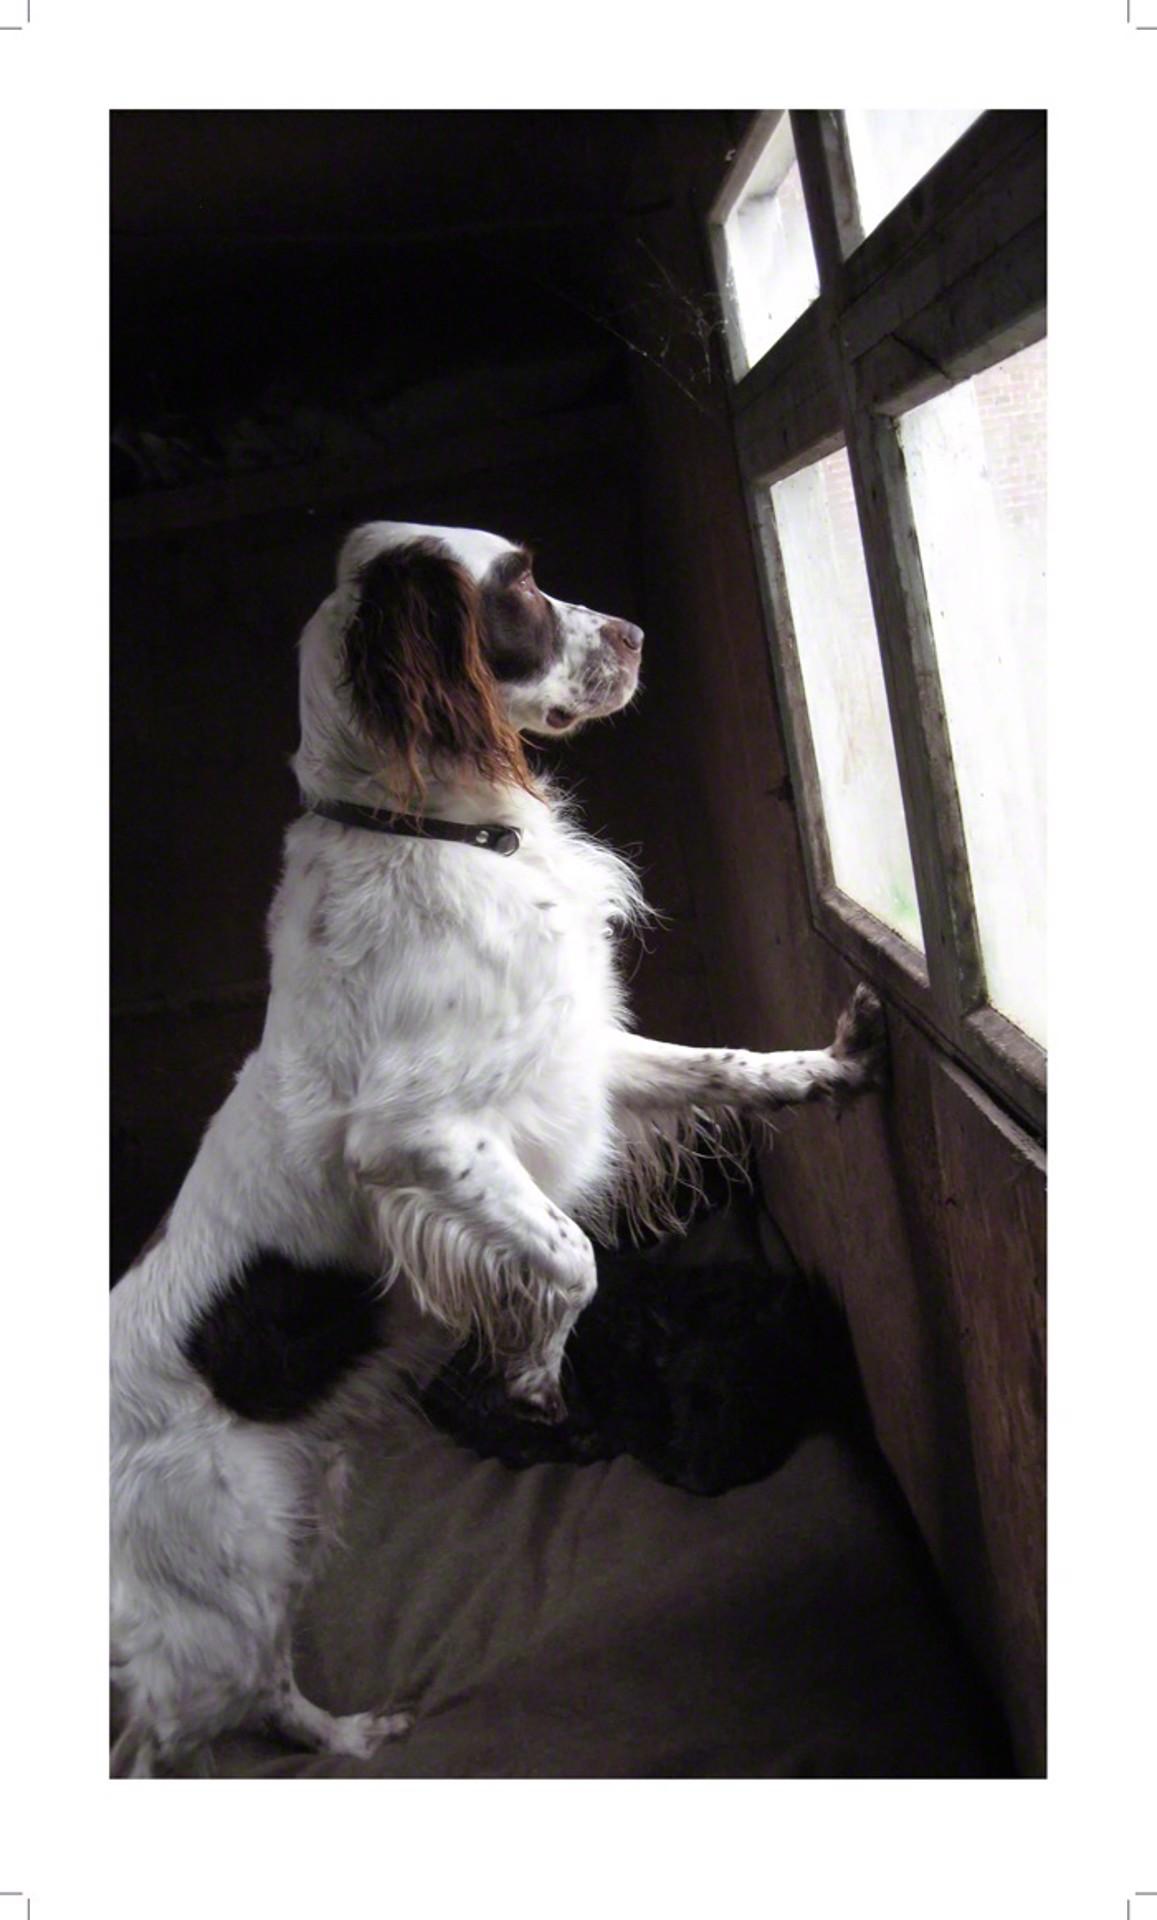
pixel 507 320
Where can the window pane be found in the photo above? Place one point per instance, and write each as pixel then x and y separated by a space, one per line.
pixel 770 260
pixel 892 150
pixel 839 656
pixel 976 460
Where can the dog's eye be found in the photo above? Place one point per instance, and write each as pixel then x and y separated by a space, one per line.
pixel 526 583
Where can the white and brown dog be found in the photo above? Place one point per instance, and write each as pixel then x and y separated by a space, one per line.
pixel 444 1094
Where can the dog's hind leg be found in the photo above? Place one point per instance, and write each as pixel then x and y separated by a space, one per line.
pixel 355 1735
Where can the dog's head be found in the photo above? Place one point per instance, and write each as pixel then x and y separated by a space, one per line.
pixel 439 649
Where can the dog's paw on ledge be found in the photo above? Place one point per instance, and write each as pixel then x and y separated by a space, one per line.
pixel 861 1042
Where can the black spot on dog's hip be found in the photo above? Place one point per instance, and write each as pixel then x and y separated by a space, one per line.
pixel 280 1337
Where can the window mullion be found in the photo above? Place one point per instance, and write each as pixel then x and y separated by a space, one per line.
pixel 908 658
pixel 841 187
pixel 828 191
pixel 916 706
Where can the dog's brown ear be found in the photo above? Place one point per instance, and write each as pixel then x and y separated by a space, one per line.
pixel 415 671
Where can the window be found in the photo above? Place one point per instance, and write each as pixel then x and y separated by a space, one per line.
pixel 764 245
pixel 830 611
pixel 890 152
pixel 975 460
pixel 893 449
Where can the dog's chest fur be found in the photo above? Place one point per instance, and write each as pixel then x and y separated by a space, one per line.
pixel 450 976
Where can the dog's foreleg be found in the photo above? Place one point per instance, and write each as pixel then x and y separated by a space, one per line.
pixel 649 1076
pixel 483 1248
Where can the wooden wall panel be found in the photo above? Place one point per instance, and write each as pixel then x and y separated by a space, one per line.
pixel 993 1194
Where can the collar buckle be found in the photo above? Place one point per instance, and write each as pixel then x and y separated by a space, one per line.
pixel 497 839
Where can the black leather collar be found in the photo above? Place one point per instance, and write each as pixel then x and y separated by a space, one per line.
pixel 418 826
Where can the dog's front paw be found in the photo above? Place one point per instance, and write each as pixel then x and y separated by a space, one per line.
pixel 567 1260
pixel 860 1045
pixel 536 1395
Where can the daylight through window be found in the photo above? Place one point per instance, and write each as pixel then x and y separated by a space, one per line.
pixel 892 439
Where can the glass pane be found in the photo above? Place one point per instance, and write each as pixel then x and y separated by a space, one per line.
pixel 976 460
pixel 769 248
pixel 839 656
pixel 891 150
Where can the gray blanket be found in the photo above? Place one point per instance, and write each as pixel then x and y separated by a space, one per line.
pixel 590 1621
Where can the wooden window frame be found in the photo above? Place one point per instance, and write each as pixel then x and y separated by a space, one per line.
pixel 952 280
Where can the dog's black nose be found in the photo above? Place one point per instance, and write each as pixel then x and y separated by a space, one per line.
pixel 623 636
